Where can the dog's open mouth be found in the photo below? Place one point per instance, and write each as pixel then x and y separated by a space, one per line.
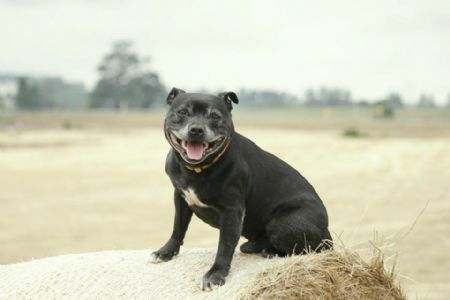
pixel 195 151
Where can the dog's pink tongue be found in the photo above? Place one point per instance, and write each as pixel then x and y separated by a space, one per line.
pixel 194 150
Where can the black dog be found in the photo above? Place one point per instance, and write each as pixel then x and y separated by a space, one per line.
pixel 232 184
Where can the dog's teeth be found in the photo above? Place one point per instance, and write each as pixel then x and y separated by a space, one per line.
pixel 184 143
pixel 205 144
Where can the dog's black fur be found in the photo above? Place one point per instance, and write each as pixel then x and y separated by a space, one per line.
pixel 240 188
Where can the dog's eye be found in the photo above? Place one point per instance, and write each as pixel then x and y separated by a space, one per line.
pixel 182 112
pixel 214 116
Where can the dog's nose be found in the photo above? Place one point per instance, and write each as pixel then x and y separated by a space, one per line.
pixel 196 131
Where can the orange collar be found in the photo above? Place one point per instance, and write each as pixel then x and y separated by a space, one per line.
pixel 200 169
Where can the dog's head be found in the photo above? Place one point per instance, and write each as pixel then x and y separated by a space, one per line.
pixel 199 126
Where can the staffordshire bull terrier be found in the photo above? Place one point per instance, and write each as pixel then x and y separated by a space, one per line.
pixel 231 184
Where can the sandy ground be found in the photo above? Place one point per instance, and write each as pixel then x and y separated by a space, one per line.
pixel 71 191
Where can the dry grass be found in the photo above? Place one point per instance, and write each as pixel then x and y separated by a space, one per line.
pixel 340 274
pixel 408 122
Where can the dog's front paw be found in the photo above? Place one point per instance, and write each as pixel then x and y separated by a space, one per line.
pixel 157 256
pixel 166 253
pixel 214 277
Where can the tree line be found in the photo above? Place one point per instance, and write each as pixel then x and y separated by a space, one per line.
pixel 126 82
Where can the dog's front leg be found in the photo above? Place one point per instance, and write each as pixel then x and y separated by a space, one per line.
pixel 183 216
pixel 230 231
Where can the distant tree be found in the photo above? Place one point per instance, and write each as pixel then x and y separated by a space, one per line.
pixel 125 82
pixel 426 101
pixel 448 101
pixel 310 97
pixel 266 98
pixel 363 102
pixel 28 96
pixel 49 93
pixel 328 97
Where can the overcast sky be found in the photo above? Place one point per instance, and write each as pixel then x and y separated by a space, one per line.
pixel 370 47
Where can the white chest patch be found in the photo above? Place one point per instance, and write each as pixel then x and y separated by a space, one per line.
pixel 192 199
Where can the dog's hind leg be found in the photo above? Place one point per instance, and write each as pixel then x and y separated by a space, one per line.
pixel 294 234
pixel 261 246
pixel 255 246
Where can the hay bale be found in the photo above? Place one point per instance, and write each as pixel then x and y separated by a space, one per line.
pixel 128 275
pixel 327 275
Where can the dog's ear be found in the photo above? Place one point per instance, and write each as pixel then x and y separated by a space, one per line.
pixel 173 94
pixel 229 97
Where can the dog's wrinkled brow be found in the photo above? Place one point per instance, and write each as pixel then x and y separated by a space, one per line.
pixel 212 109
pixel 199 107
